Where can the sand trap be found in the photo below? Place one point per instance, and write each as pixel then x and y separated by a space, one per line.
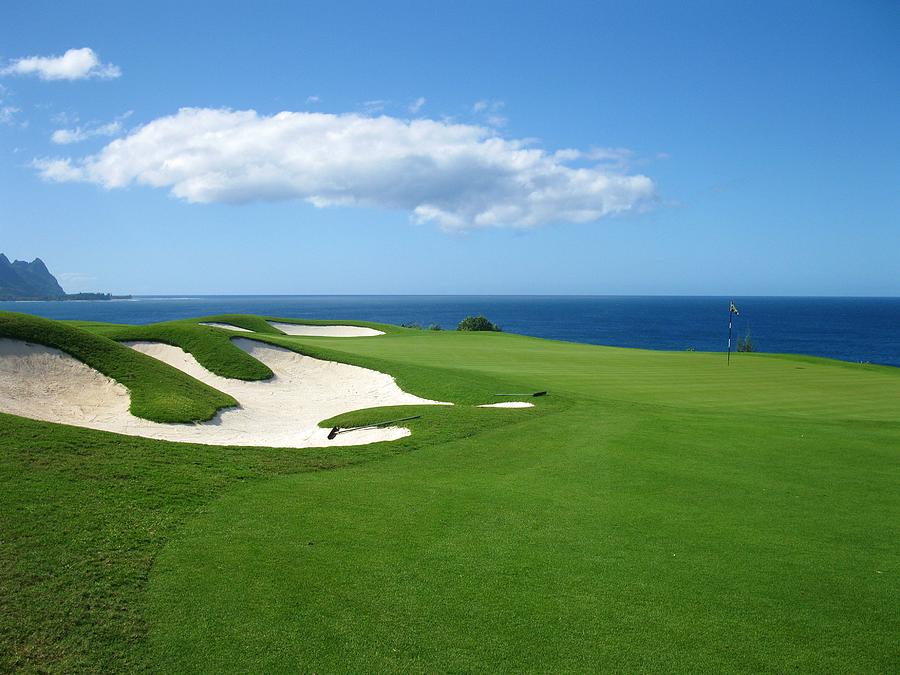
pixel 508 404
pixel 325 331
pixel 226 326
pixel 46 384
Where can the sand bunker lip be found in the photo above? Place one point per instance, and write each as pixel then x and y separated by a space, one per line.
pixel 324 331
pixel 508 404
pixel 226 326
pixel 46 384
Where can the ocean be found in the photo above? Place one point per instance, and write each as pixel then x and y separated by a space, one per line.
pixel 851 329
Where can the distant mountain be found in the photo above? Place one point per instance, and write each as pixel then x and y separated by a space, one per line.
pixel 37 278
pixel 9 279
pixel 22 280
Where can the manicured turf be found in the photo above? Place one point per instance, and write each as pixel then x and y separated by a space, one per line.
pixel 657 511
pixel 158 391
pixel 213 348
pixel 210 346
pixel 83 515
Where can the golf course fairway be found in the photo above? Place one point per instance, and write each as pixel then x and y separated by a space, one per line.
pixel 656 511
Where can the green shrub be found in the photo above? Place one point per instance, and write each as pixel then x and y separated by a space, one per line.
pixel 477 323
pixel 434 326
pixel 417 326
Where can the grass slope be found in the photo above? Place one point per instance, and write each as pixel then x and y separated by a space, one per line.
pixel 658 511
pixel 210 346
pixel 672 515
pixel 158 391
pixel 83 515
pixel 639 543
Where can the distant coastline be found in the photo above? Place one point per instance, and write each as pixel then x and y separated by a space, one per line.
pixel 22 281
pixel 67 296
pixel 850 329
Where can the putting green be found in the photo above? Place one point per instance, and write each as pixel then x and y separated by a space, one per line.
pixel 662 512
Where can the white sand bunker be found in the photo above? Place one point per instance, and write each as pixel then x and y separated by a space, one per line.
pixel 226 326
pixel 508 404
pixel 325 331
pixel 46 384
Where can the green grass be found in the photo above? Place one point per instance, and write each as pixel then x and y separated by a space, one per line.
pixel 657 511
pixel 158 391
pixel 210 346
pixel 83 515
pixel 213 348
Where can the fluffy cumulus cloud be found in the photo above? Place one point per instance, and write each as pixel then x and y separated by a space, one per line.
pixel 75 64
pixel 459 176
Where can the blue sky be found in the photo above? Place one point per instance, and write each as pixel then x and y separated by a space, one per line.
pixel 722 148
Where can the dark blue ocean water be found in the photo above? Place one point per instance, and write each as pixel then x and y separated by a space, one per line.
pixel 852 329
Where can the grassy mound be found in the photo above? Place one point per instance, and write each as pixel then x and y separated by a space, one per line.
pixel 158 391
pixel 657 511
pixel 214 350
pixel 211 346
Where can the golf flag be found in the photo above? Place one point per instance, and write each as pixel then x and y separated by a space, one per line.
pixel 731 311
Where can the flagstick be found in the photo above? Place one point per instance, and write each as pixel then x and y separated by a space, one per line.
pixel 731 304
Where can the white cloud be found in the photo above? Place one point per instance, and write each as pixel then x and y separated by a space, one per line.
pixel 459 176
pixel 78 134
pixel 58 170
pixel 416 105
pixel 66 136
pixel 312 99
pixel 75 64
